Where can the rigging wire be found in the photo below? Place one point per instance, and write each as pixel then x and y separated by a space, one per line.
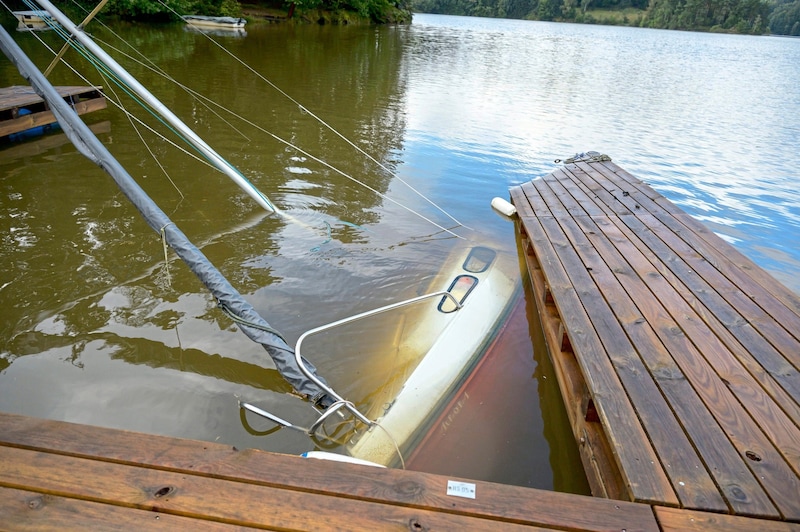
pixel 287 143
pixel 306 154
pixel 102 68
pixel 86 54
pixel 106 74
pixel 147 146
pixel 165 113
pixel 147 63
pixel 324 123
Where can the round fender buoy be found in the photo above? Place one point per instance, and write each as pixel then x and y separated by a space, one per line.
pixel 504 208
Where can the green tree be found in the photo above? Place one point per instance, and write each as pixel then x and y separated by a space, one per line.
pixel 138 9
pixel 548 9
pixel 785 19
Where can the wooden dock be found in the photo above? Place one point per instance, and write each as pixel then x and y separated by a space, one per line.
pixel 677 358
pixel 57 475
pixel 22 109
pixel 676 355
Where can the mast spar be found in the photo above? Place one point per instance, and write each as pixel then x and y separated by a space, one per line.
pixel 208 152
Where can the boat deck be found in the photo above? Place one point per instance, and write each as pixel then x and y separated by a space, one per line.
pixel 676 355
pixel 57 475
pixel 17 100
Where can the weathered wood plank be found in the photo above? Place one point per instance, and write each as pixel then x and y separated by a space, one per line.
pixel 726 391
pixel 672 520
pixel 717 338
pixel 82 100
pixel 44 118
pixel 751 347
pixel 777 366
pixel 748 329
pixel 737 261
pixel 205 498
pixel 596 455
pixel 777 322
pixel 657 335
pixel 288 473
pixel 32 511
pixel 23 96
pixel 631 446
pixel 690 479
pixel 735 385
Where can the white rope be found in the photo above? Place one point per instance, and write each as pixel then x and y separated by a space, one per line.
pixel 149 150
pixel 289 144
pixel 330 127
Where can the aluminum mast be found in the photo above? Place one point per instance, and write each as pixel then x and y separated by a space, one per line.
pixel 213 157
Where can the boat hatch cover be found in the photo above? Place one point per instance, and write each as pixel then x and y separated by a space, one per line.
pixel 479 259
pixel 460 289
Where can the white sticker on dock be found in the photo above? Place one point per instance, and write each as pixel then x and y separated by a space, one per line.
pixel 461 489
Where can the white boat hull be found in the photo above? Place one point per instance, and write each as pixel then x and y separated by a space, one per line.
pixel 463 338
pixel 231 23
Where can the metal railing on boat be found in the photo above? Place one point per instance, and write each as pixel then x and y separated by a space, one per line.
pixel 340 402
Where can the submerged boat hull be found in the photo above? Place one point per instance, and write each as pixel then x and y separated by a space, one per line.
pixel 464 335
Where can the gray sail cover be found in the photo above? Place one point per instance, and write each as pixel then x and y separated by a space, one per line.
pixel 88 145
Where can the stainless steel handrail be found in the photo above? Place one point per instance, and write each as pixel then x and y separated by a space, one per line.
pixel 340 401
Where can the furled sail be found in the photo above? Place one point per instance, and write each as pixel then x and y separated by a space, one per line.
pixel 249 321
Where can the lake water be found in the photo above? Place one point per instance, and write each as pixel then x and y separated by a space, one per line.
pixel 94 330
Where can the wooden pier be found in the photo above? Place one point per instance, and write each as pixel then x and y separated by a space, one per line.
pixel 61 476
pixel 676 355
pixel 22 109
pixel 677 358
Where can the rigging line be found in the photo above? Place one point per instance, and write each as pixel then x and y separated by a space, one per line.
pixel 115 76
pixel 341 172
pixel 298 149
pixel 119 105
pixel 101 67
pixel 109 74
pixel 203 100
pixel 324 123
pixel 65 46
pixel 215 158
pixel 147 63
pixel 157 70
pixel 90 57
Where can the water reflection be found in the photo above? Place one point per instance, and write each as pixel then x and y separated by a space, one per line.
pixel 460 108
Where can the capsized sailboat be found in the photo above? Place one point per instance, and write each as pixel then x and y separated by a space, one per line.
pixel 440 333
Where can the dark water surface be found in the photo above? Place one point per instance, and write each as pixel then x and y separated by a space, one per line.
pixel 94 329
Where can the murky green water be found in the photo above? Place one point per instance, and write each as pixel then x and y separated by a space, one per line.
pixel 95 329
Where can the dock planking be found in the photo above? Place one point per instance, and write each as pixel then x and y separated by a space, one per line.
pixel 15 99
pixel 53 472
pixel 676 355
pixel 59 475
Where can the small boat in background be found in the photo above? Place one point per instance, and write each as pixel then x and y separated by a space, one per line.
pixel 33 20
pixel 231 23
pixel 33 17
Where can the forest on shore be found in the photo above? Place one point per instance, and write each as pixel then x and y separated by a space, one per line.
pixel 321 11
pixel 314 11
pixel 756 17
